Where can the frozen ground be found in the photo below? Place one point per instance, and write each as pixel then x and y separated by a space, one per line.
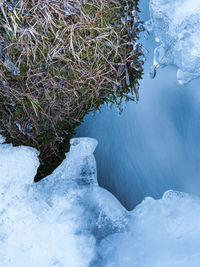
pixel 176 27
pixel 67 220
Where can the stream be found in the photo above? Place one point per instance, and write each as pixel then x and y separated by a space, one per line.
pixel 153 146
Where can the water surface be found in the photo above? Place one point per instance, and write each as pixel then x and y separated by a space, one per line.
pixel 154 145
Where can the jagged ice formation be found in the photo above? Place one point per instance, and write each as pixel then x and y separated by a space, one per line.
pixel 176 27
pixel 68 220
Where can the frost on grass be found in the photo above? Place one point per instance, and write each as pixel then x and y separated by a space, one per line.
pixel 59 60
pixel 176 24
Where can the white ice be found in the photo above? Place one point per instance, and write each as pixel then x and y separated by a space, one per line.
pixel 60 220
pixel 176 24
pixel 67 220
pixel 163 233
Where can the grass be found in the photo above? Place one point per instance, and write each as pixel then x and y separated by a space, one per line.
pixel 60 60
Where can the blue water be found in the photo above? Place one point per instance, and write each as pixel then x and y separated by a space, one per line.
pixel 154 145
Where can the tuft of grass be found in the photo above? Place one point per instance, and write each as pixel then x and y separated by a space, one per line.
pixel 60 60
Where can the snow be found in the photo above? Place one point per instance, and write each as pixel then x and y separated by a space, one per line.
pixel 176 27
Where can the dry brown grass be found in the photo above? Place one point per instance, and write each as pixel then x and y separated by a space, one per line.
pixel 58 61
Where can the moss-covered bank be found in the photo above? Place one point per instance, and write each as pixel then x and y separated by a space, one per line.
pixel 58 61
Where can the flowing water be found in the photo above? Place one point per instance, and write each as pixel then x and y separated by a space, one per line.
pixel 154 145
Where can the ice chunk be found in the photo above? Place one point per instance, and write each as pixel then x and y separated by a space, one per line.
pixel 18 165
pixel 68 220
pixel 34 233
pixel 59 221
pixel 80 164
pixel 163 232
pixel 79 168
pixel 100 213
pixel 11 66
pixel 2 139
pixel 176 24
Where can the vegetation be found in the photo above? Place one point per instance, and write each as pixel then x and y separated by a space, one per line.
pixel 60 60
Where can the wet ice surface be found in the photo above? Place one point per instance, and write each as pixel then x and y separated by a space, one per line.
pixel 67 220
pixel 176 27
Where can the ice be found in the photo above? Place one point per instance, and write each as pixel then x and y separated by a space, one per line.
pixel 61 220
pixel 163 232
pixel 2 139
pixel 18 165
pixel 10 66
pixel 176 24
pixel 67 220
pixel 95 212
pixel 80 164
